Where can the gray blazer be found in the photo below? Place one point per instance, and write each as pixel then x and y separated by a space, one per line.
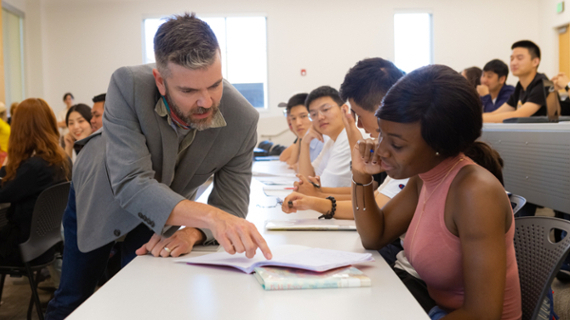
pixel 126 173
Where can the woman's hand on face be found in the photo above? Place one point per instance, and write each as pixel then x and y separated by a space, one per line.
pixel 69 140
pixel 365 159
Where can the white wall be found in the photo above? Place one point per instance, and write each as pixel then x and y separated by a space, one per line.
pixel 84 41
pixel 550 21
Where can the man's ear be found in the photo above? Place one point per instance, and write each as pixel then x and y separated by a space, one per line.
pixel 536 62
pixel 502 80
pixel 159 80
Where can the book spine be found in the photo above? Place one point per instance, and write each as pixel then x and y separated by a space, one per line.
pixel 320 284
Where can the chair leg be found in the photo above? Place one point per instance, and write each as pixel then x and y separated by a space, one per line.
pixel 35 297
pixel 2 285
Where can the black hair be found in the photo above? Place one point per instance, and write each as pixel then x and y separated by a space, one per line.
pixel 473 75
pixel 99 98
pixel 67 94
pixel 497 66
pixel 368 81
pixel 324 91
pixel 532 48
pixel 83 109
pixel 298 99
pixel 449 112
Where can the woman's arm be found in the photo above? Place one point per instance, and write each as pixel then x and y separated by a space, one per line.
pixel 343 207
pixel 378 226
pixel 478 212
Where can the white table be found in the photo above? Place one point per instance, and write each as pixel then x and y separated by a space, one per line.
pixel 158 288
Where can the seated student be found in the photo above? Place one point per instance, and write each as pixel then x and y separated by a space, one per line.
pixel 473 75
pixel 299 122
pixel 455 212
pixel 528 98
pixel 97 111
pixel 363 87
pixel 493 90
pixel 35 162
pixel 78 122
pixel 332 165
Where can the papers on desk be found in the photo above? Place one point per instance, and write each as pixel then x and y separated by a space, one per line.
pixel 271 169
pixel 293 256
pixel 277 181
pixel 310 225
pixel 273 278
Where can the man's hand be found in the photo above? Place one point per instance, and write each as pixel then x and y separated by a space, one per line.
pixel 482 90
pixel 237 235
pixel 181 242
pixel 305 187
pixel 560 81
pixel 312 134
pixel 350 124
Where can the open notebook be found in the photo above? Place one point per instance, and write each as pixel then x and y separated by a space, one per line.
pixel 292 256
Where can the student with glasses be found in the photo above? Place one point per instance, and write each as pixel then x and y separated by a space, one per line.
pixel 299 122
pixel 333 163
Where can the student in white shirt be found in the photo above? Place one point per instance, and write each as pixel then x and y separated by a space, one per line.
pixel 364 87
pixel 333 163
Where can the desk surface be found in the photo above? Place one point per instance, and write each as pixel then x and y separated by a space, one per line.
pixel 158 288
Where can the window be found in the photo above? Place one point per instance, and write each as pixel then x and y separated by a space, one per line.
pixel 243 43
pixel 13 35
pixel 413 40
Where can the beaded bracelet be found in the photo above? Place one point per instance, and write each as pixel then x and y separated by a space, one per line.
pixel 330 213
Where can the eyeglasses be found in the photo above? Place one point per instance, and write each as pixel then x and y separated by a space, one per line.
pixel 324 110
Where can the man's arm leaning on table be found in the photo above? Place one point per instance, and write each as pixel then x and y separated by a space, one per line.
pixel 133 182
pixel 506 111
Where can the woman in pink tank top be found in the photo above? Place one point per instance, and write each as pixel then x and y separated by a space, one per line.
pixel 457 216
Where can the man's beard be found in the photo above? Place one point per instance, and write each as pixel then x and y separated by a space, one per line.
pixel 198 124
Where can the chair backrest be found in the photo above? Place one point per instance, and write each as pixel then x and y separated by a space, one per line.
pixel 517 202
pixel 45 230
pixel 538 258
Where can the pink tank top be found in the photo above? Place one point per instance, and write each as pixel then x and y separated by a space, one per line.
pixel 435 252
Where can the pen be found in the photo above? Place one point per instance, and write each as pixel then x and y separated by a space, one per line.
pixel 314 184
pixel 290 188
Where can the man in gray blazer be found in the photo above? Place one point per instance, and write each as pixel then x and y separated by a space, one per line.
pixel 165 132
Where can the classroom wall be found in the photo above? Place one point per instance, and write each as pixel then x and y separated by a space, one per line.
pixel 550 21
pixel 84 41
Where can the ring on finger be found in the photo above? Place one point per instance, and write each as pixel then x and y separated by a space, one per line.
pixel 371 150
pixel 167 250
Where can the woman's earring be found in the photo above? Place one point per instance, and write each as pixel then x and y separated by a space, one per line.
pixel 437 154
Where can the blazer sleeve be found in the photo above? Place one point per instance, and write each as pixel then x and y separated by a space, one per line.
pixel 128 159
pixel 232 181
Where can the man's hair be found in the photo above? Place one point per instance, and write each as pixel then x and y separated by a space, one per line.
pixel 497 66
pixel 368 81
pixel 324 91
pixel 99 98
pixel 67 94
pixel 186 41
pixel 532 48
pixel 298 99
